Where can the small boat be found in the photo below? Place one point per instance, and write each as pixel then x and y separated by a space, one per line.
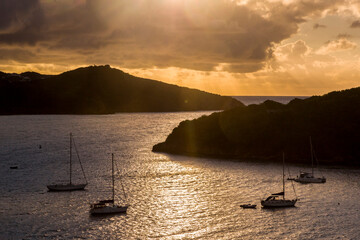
pixel 306 177
pixel 108 206
pixel 274 200
pixel 248 205
pixel 70 186
pixel 14 167
pixel 66 187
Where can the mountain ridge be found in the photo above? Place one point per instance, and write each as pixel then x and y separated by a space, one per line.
pixel 100 90
pixel 262 132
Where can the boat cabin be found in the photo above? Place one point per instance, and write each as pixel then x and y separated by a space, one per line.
pixel 306 175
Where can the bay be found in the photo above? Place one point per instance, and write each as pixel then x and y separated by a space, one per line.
pixel 170 197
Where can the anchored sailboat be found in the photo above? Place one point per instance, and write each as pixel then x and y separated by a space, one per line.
pixel 108 206
pixel 70 186
pixel 306 177
pixel 274 200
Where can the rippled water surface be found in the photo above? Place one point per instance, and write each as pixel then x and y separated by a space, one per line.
pixel 170 197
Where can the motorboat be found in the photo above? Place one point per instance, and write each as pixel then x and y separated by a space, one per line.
pixel 249 205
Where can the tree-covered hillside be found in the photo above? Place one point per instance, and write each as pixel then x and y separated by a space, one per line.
pixel 264 131
pixel 97 90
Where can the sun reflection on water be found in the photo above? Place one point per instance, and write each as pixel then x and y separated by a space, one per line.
pixel 170 197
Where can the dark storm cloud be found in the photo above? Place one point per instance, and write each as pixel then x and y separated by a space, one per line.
pixel 20 21
pixel 242 37
pixel 343 35
pixel 17 55
pixel 355 24
pixel 242 68
pixel 16 12
pixel 60 24
pixel 77 27
pixel 227 33
pixel 317 25
pixel 200 35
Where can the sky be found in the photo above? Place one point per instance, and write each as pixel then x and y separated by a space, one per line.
pixel 228 47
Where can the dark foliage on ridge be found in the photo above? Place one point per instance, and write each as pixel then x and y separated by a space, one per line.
pixel 263 131
pixel 98 90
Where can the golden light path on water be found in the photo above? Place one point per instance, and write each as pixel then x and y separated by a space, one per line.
pixel 170 197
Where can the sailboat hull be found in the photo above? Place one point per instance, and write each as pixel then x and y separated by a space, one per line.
pixel 66 187
pixel 278 203
pixel 61 187
pixel 310 180
pixel 108 209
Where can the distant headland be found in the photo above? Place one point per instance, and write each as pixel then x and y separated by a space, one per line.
pixel 100 90
pixel 263 131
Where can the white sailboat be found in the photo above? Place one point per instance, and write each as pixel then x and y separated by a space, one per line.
pixel 306 177
pixel 108 206
pixel 275 200
pixel 70 186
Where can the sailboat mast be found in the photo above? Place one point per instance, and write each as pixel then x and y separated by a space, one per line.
pixel 312 158
pixel 283 175
pixel 70 155
pixel 113 179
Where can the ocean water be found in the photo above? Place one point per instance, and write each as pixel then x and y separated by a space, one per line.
pixel 170 197
pixel 247 100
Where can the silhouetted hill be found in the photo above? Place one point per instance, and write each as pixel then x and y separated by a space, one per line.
pixel 97 90
pixel 23 77
pixel 264 131
pixel 34 75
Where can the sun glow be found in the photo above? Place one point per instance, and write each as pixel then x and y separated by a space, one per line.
pixel 225 47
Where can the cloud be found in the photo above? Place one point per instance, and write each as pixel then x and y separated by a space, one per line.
pixel 339 44
pixel 295 51
pixel 17 54
pixel 299 68
pixel 20 21
pixel 355 24
pixel 317 25
pixel 68 24
pixel 343 35
pixel 200 35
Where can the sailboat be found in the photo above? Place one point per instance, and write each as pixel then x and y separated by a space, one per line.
pixel 108 206
pixel 70 186
pixel 306 177
pixel 275 200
